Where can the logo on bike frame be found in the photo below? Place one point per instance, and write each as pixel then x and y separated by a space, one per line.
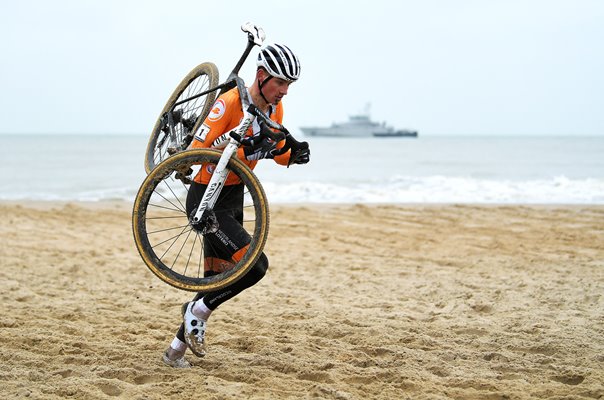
pixel 217 111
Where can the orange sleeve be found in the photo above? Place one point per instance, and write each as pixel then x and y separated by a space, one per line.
pixel 220 120
pixel 213 133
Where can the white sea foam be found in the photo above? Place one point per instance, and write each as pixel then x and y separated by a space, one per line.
pixel 119 194
pixel 399 189
pixel 441 189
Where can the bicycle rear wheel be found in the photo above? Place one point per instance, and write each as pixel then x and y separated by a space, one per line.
pixel 170 245
pixel 176 125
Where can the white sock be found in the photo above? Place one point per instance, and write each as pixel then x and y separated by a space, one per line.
pixel 178 345
pixel 201 310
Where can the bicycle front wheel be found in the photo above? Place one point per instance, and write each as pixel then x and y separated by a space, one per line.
pixel 178 122
pixel 172 247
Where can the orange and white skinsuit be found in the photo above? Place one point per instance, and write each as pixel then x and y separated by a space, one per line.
pixel 225 115
pixel 229 243
pixel 222 248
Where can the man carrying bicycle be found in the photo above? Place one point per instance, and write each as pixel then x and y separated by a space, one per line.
pixel 278 67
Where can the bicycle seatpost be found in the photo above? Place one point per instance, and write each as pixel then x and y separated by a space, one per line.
pixel 254 32
pixel 255 37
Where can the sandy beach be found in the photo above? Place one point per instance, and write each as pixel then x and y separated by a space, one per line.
pixel 360 302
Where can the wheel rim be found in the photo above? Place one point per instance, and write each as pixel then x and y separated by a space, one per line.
pixel 175 251
pixel 183 119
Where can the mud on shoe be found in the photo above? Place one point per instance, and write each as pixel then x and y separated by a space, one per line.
pixel 195 330
pixel 178 363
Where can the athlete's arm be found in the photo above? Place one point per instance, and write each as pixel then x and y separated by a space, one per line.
pixel 213 133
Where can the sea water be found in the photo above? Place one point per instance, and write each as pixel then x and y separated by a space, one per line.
pixel 438 169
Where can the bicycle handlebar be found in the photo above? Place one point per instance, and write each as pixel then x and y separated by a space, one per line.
pixel 252 109
pixel 297 148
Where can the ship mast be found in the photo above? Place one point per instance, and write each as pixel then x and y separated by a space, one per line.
pixel 367 110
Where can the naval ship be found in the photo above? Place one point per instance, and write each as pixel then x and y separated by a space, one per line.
pixel 359 125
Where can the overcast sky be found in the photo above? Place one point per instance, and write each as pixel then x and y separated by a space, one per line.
pixel 509 67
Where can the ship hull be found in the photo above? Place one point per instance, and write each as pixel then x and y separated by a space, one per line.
pixel 397 134
pixel 333 132
pixel 352 133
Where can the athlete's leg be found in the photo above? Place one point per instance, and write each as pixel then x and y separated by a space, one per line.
pixel 228 240
pixel 178 347
pixel 229 237
pixel 211 301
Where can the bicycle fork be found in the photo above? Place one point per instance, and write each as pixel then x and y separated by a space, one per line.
pixel 203 218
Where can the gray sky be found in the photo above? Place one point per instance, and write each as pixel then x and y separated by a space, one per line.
pixel 509 67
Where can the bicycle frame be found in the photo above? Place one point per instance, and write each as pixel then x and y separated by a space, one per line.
pixel 255 37
pixel 221 172
pixel 250 113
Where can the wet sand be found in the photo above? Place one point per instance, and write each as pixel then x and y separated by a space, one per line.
pixel 360 302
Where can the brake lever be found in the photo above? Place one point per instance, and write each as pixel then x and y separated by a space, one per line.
pixel 290 142
pixel 268 123
pixel 265 132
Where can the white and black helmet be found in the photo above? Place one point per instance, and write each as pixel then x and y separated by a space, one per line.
pixel 279 61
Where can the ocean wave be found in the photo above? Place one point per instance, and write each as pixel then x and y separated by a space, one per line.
pixel 442 189
pixel 398 189
pixel 117 194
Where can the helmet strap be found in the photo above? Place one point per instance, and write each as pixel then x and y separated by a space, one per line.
pixel 261 84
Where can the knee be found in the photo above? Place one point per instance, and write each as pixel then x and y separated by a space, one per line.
pixel 259 269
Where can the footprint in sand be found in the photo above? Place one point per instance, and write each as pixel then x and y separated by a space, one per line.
pixel 568 379
pixel 145 379
pixel 109 389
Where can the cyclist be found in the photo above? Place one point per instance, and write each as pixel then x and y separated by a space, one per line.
pixel 277 68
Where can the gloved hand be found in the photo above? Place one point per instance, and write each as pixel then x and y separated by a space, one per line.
pixel 258 147
pixel 302 157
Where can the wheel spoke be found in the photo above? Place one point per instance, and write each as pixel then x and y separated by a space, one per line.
pixel 166 229
pixel 163 197
pixel 198 81
pixel 183 208
pixel 173 239
pixel 176 251
pixel 191 254
pixel 181 247
pixel 167 208
pixel 200 256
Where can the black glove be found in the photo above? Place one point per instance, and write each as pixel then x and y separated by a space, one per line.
pixel 301 157
pixel 258 147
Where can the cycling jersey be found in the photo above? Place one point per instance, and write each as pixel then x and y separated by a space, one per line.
pixel 225 115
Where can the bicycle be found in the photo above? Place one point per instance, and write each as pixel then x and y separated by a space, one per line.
pixel 170 240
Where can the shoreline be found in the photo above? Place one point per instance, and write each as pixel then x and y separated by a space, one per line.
pixel 121 203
